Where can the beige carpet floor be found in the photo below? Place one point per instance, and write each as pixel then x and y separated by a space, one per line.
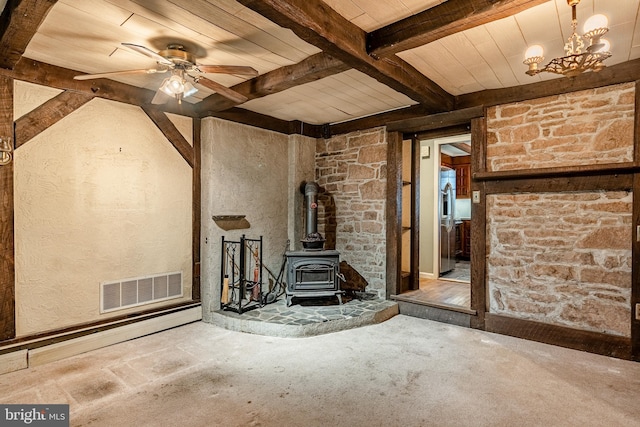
pixel 403 372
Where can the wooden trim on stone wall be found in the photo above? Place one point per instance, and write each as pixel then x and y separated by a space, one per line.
pixel 584 170
pixel 196 209
pixel 635 270
pixel 478 225
pixel 7 231
pixel 441 133
pixel 635 266
pixel 414 281
pixel 577 339
pixel 394 213
pixel 47 114
pixel 607 182
pixel 436 121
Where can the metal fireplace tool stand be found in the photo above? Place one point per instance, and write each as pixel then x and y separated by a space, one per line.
pixel 241 274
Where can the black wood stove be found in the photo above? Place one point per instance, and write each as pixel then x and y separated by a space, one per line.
pixel 313 272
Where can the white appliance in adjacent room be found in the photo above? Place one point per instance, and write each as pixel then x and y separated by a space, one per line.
pixel 447 219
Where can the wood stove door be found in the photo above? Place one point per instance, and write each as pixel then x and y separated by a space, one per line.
pixel 317 275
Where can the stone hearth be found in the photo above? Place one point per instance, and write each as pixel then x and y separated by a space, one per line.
pixel 301 321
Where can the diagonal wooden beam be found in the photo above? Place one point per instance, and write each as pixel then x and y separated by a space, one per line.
pixel 19 21
pixel 172 133
pixel 310 69
pixel 47 114
pixel 447 18
pixel 316 23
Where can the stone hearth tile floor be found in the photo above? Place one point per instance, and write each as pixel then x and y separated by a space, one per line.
pixel 302 319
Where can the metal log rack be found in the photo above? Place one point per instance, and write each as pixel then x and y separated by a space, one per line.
pixel 241 274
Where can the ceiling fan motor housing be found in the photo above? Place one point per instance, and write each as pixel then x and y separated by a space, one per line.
pixel 178 55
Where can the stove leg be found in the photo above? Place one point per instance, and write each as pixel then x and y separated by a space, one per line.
pixel 339 298
pixel 289 298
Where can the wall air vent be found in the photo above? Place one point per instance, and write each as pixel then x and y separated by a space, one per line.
pixel 132 292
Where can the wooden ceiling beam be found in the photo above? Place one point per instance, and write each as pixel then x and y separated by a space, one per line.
pixel 462 146
pixel 19 21
pixel 313 68
pixel 316 23
pixel 416 119
pixel 620 73
pixel 450 17
pixel 251 118
pixel 62 78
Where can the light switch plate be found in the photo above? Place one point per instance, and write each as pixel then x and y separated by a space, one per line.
pixel 425 151
pixel 476 196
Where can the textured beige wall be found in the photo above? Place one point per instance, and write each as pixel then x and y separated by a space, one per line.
pixel 587 127
pixel 99 196
pixel 562 258
pixel 253 172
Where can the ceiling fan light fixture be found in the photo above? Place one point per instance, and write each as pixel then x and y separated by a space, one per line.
pixel 173 85
pixel 189 89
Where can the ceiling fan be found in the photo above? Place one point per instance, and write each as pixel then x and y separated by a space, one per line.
pixel 182 64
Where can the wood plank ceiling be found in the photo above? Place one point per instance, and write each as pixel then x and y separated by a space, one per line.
pixel 320 62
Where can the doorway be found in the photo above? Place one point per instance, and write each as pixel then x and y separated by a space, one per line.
pixel 442 212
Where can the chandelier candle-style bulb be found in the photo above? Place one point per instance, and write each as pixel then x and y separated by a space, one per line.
pixel 597 22
pixel 532 57
pixel 594 28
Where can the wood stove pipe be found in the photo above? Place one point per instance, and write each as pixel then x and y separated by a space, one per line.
pixel 313 240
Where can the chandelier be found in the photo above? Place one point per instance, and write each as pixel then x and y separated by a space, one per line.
pixel 578 58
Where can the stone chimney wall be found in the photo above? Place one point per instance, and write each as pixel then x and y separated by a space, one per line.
pixel 351 171
pixel 562 258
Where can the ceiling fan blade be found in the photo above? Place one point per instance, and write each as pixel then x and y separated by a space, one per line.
pixel 148 52
pixel 117 73
pixel 228 69
pixel 222 90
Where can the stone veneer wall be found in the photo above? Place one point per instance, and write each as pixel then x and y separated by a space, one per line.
pixel 587 127
pixel 351 170
pixel 562 258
